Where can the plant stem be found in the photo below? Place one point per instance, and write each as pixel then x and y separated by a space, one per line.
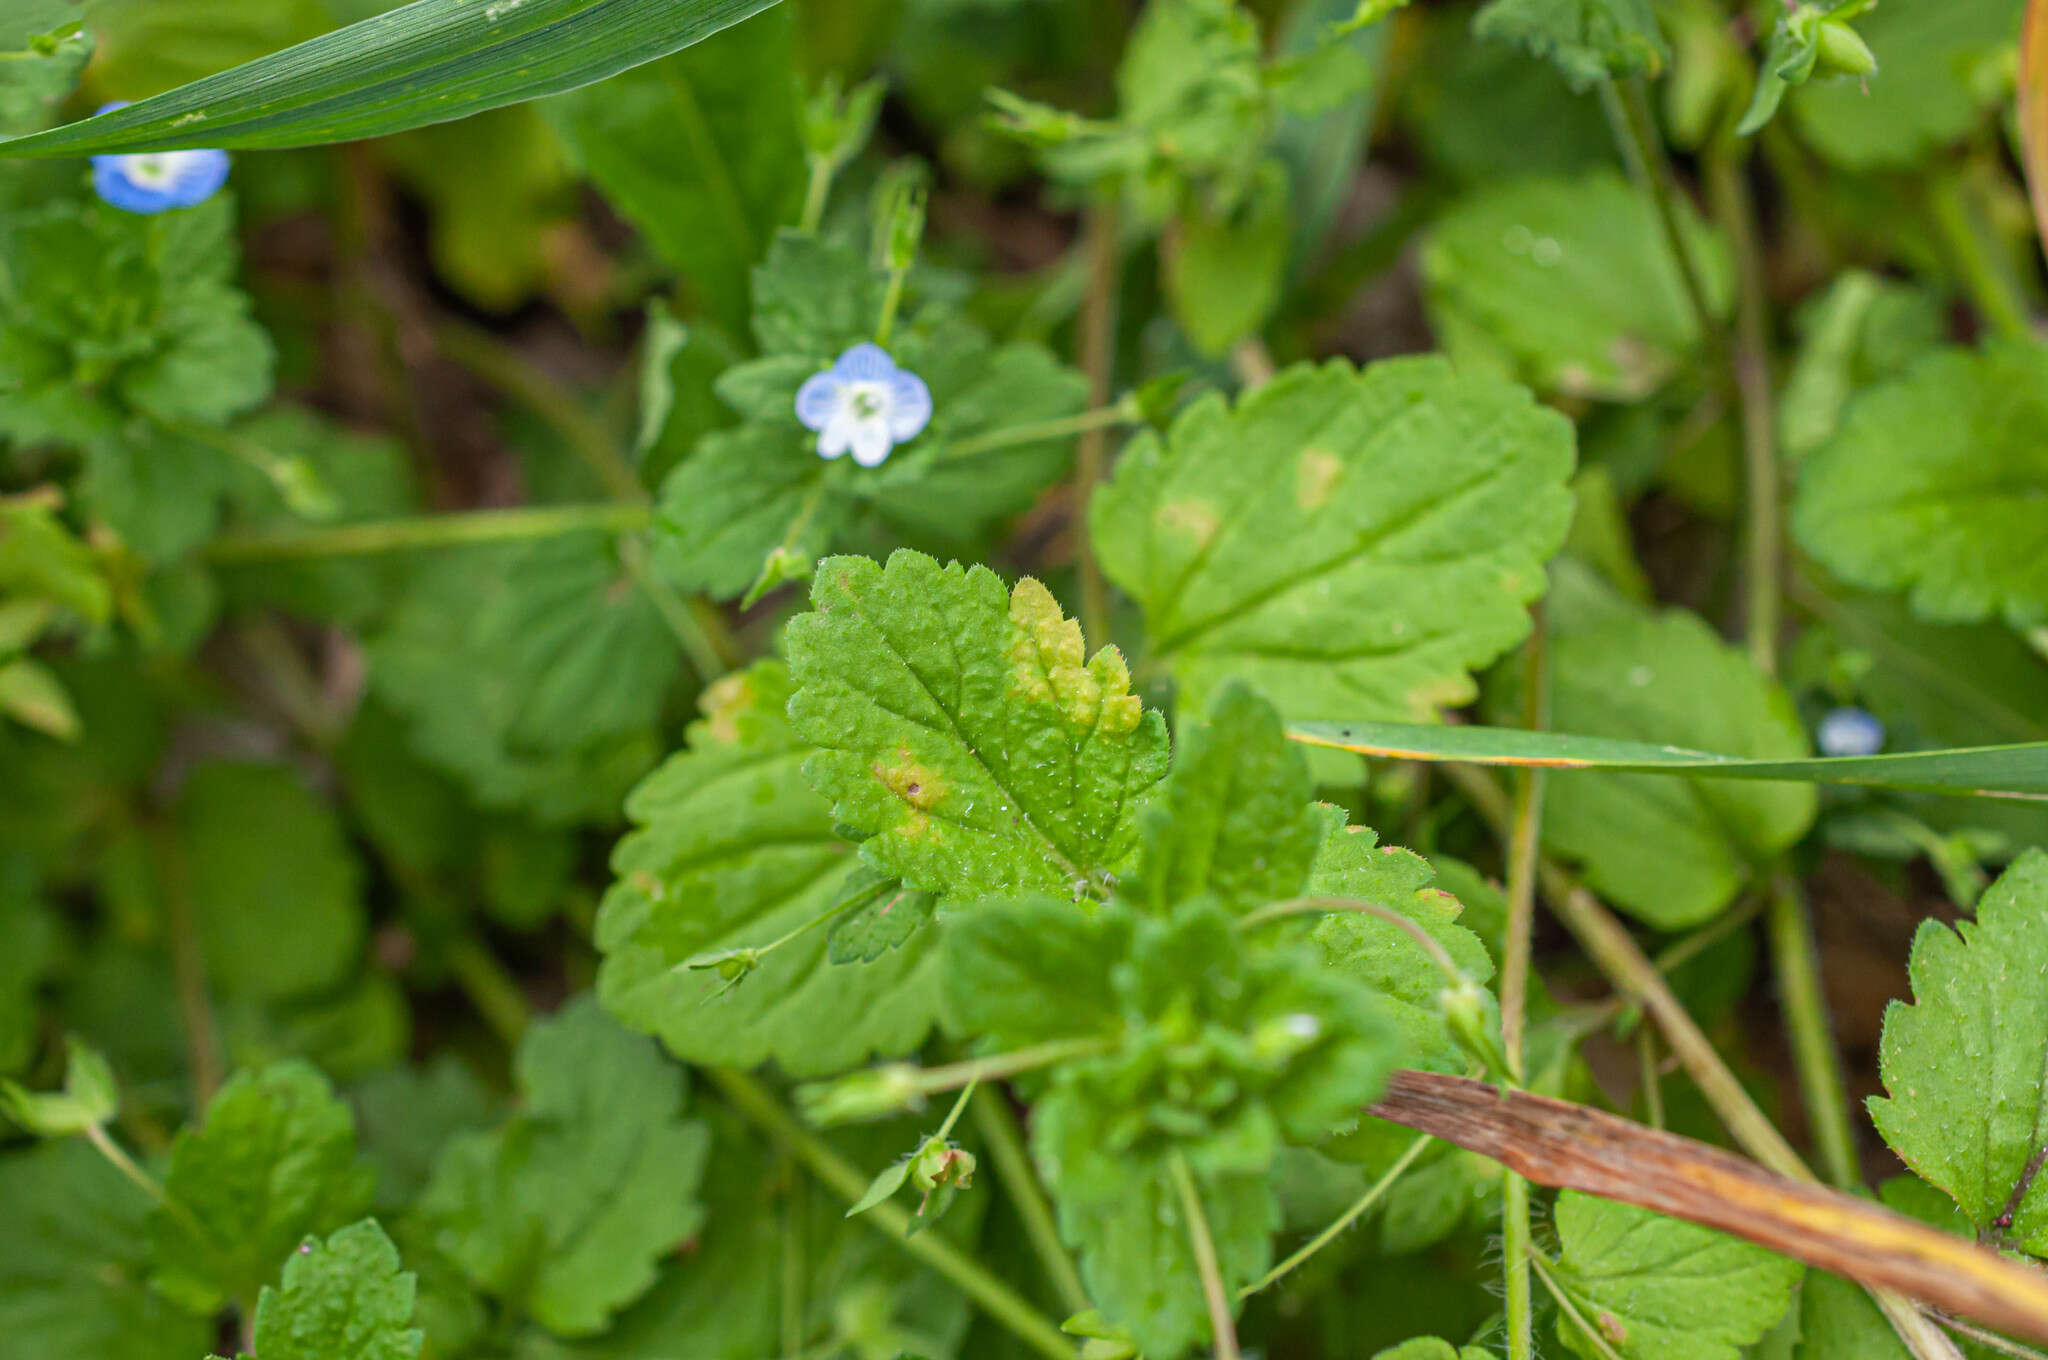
pixel 932 1080
pixel 489 987
pixel 1305 906
pixel 793 1304
pixel 1203 1244
pixel 1652 1079
pixel 1990 288
pixel 1570 1309
pixel 816 194
pixel 1525 841
pixel 1763 584
pixel 1003 1304
pixel 100 1139
pixel 1635 132
pixel 513 374
pixel 1991 1340
pixel 427 531
pixel 1101 418
pixel 188 967
pixel 1097 346
pixel 697 628
pixel 1813 1041
pixel 998 1127
pixel 1344 1220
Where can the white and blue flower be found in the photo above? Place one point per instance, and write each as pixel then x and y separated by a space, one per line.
pixel 158 181
pixel 864 405
pixel 1850 732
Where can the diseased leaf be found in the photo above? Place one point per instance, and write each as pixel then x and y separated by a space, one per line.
pixel 74 1270
pixel 1660 1289
pixel 735 851
pixel 564 1211
pixel 1589 40
pixel 274 1161
pixel 1344 541
pixel 1671 852
pixel 964 732
pixel 342 1299
pixel 1570 285
pixel 1934 484
pixel 1963 1063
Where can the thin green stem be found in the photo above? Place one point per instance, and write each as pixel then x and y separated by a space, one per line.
pixel 1203 1243
pixel 697 628
pixel 1102 418
pixel 892 303
pixel 1567 1307
pixel 188 966
pixel 1763 560
pixel 1343 1221
pixel 1652 1079
pixel 513 374
pixel 816 194
pixel 426 531
pixel 999 1066
pixel 998 1127
pixel 1814 1054
pixel 1635 132
pixel 1991 1340
pixel 1992 290
pixel 1525 841
pixel 959 1108
pixel 492 990
pixel 1097 353
pixel 1323 906
pixel 1002 1304
pixel 792 1301
pixel 98 1136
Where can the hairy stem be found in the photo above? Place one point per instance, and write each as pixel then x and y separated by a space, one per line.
pixel 1203 1244
pixel 997 1124
pixel 1002 1304
pixel 1097 354
pixel 491 989
pixel 1525 840
pixel 1087 422
pixel 1635 132
pixel 1991 289
pixel 426 531
pixel 1813 1042
pixel 1570 1309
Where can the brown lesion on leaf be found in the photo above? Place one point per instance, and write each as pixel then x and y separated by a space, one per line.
pixel 915 783
pixel 1316 474
pixel 1612 1328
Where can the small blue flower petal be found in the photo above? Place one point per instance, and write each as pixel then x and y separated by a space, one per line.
pixel 818 398
pixel 1850 732
pixel 910 406
pixel 866 362
pixel 158 181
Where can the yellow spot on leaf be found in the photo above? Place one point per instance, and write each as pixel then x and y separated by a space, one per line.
pixel 1196 520
pixel 916 784
pixel 1049 665
pixel 723 703
pixel 1315 476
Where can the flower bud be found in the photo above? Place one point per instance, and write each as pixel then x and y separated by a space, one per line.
pixel 865 1095
pixel 1843 51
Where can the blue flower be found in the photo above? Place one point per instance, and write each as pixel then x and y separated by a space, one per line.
pixel 1850 732
pixel 864 404
pixel 158 181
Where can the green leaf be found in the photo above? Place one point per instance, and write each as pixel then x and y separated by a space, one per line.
pixel 735 851
pixel 274 1161
pixel 1660 1289
pixel 1670 852
pixel 1923 96
pixel 892 915
pixel 428 62
pixel 1234 818
pixel 274 885
pixel 42 54
pixel 1026 971
pixel 701 152
pixel 29 943
pixel 964 732
pixel 1431 1348
pixel 31 695
pixel 406 1113
pixel 2013 771
pixel 1342 539
pixel 1589 40
pixel 1570 285
pixel 1225 266
pixel 564 1211
pixel 342 1299
pixel 1933 484
pixel 73 1265
pixel 1839 1321
pixel 1139 1267
pixel 535 672
pixel 41 559
pixel 1963 1063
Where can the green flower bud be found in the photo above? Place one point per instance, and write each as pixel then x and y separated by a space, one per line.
pixel 89 1099
pixel 1843 51
pixel 865 1095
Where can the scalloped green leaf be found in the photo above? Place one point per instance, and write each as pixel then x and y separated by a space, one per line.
pixel 1343 540
pixel 1963 1062
pixel 1936 483
pixel 733 850
pixel 346 1298
pixel 1588 40
pixel 964 733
